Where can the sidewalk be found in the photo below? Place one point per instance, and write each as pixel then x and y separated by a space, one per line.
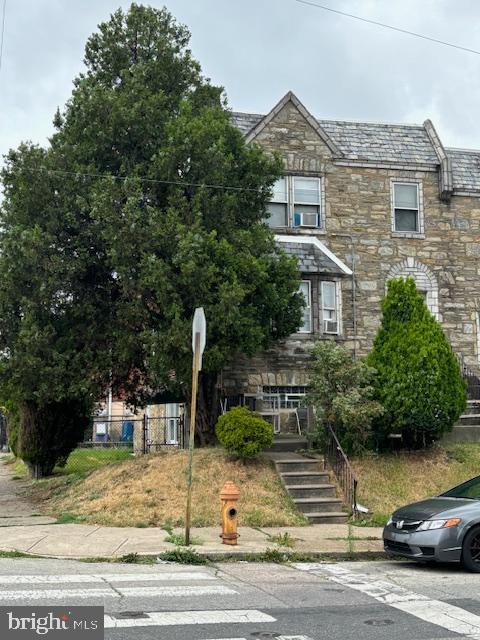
pixel 88 541
pixel 14 509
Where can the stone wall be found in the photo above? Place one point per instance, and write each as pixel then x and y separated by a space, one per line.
pixel 444 258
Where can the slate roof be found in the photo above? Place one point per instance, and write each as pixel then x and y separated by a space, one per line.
pixel 310 259
pixel 466 169
pixel 388 144
pixel 382 142
pixel 370 141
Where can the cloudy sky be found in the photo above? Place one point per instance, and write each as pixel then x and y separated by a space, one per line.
pixel 258 50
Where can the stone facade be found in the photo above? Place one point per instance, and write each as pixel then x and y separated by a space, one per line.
pixel 357 164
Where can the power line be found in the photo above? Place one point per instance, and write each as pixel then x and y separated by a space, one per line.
pixel 3 31
pixel 181 183
pixel 388 26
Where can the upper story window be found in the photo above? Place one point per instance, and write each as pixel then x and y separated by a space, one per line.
pixel 330 311
pixel 296 202
pixel 306 290
pixel 407 214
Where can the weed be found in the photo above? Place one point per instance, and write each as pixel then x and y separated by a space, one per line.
pixel 283 539
pixel 178 539
pixel 168 526
pixel 68 518
pixel 183 556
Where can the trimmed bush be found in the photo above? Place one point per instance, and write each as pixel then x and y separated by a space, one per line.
pixel 341 392
pixel 419 382
pixel 244 433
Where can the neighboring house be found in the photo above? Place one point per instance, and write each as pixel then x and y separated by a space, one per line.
pixel 361 203
pixel 157 426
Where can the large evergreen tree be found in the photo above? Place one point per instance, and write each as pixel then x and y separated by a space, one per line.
pixel 147 204
pixel 419 382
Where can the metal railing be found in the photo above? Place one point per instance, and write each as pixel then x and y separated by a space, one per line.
pixel 472 379
pixel 162 433
pixel 336 458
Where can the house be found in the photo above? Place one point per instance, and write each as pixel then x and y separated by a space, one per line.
pixel 361 203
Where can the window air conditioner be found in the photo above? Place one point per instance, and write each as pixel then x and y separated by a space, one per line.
pixel 330 326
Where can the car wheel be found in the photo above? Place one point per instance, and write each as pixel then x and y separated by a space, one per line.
pixel 471 550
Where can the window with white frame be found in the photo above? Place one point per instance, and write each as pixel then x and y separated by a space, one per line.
pixel 330 315
pixel 296 201
pixel 278 205
pixel 406 207
pixel 306 290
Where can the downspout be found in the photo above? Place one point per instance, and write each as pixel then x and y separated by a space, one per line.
pixel 354 287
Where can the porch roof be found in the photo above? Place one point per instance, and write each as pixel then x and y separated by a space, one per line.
pixel 313 256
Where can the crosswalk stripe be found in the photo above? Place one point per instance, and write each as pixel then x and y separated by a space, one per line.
pixel 184 618
pixel 176 591
pixel 170 576
pixel 172 591
pixel 428 609
pixel 56 594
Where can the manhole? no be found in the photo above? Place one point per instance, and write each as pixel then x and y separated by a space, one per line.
pixel 379 623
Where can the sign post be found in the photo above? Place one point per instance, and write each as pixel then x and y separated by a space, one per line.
pixel 199 331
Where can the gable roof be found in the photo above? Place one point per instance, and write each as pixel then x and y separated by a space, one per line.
pixel 365 141
pixel 313 256
pixel 291 97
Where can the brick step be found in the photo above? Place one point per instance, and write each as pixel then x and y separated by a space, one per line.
pixel 311 490
pixel 317 505
pixel 304 464
pixel 330 517
pixel 299 478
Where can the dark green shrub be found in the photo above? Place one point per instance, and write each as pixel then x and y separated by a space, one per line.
pixel 244 433
pixel 341 392
pixel 419 382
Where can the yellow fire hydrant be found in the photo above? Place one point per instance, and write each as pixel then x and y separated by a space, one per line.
pixel 229 496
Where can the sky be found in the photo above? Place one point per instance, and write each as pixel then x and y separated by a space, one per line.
pixel 258 50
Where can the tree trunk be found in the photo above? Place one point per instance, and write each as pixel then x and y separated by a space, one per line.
pixel 208 409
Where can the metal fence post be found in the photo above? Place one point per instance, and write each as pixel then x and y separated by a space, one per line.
pixel 144 434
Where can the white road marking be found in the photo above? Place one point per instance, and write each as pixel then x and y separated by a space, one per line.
pixel 170 576
pixel 183 618
pixel 175 591
pixel 58 594
pixel 433 611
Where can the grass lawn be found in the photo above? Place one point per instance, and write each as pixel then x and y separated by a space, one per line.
pixel 150 490
pixel 387 482
pixel 82 461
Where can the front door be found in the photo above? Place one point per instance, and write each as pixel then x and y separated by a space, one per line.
pixel 172 417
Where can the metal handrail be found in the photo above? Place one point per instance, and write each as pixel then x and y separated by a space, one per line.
pixel 471 377
pixel 344 473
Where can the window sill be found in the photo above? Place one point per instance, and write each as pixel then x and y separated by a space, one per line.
pixel 408 234
pixel 300 231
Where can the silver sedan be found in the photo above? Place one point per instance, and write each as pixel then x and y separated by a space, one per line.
pixel 445 528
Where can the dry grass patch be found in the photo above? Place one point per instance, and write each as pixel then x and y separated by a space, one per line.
pixel 387 482
pixel 150 491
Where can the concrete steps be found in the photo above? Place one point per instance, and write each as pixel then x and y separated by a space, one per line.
pixel 467 428
pixel 310 487
pixel 288 443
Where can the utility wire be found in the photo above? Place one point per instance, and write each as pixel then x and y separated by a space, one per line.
pixel 78 174
pixel 3 31
pixel 388 26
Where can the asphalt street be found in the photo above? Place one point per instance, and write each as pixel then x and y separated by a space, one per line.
pixel 248 601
